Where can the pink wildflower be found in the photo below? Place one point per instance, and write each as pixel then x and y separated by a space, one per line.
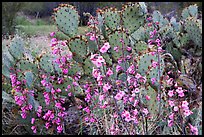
pixel 181 94
pixel 58 105
pixel 147 97
pixel 118 68
pixel 179 90
pixel 131 69
pixel 47 125
pixel 106 87
pixel 171 103
pixel 154 64
pixel 194 129
pixel 101 97
pixel 32 120
pixel 171 93
pixel 145 111
pixel 109 72
pixel 105 47
pixel 153 80
pixel 116 48
pixel 65 71
pixel 136 90
pixel 63 43
pixel 128 48
pixel 34 129
pixel 187 112
pixel 52 34
pixel 59 128
pixel 176 108
pixel 170 123
pixel 185 105
pixel 171 116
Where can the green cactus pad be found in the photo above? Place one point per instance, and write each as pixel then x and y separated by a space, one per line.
pixel 174 51
pixel 153 73
pixel 167 32
pixel 29 79
pixel 88 66
pixel 194 30
pixel 78 47
pixel 107 59
pixel 75 68
pixel 46 63
pixel 5 71
pixel 152 104
pixel 181 40
pixel 142 34
pixel 92 46
pixel 7 60
pixel 67 19
pixel 133 16
pixel 16 47
pixel 145 62
pixel 140 46
pixel 111 18
pixel 114 40
pixel 191 11
pixel 158 17
pixel 176 25
pixel 25 65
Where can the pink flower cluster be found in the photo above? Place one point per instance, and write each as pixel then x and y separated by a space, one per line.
pixel 21 99
pixel 97 60
pixel 105 47
pixel 193 129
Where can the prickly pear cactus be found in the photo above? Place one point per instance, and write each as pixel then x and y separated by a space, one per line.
pixel 46 63
pixel 88 66
pixel 158 17
pixel 29 77
pixel 145 67
pixel 111 18
pixel 67 19
pixel 151 104
pixel 25 65
pixel 114 41
pixel 78 47
pixel 194 30
pixel 75 68
pixel 16 48
pixel 140 46
pixel 133 16
pixel 191 11
pixel 176 25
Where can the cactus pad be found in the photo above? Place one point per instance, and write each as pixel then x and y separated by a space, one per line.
pixel 152 103
pixel 46 63
pixel 114 40
pixel 16 47
pixel 133 16
pixel 140 46
pixel 191 11
pixel 112 18
pixel 194 29
pixel 88 66
pixel 158 17
pixel 25 65
pixel 29 79
pixel 78 47
pixel 67 19
pixel 75 68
